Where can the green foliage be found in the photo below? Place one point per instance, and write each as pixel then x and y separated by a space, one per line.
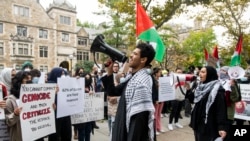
pixel 87 65
pixel 86 24
pixel 194 45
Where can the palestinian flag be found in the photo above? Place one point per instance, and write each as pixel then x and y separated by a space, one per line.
pixel 216 56
pixel 206 55
pixel 235 61
pixel 146 31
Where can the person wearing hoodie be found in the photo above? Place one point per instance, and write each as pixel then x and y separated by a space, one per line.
pixel 63 124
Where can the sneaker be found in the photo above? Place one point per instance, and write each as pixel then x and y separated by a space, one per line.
pixel 162 131
pixel 170 127
pixel 178 125
pixel 157 133
pixel 166 115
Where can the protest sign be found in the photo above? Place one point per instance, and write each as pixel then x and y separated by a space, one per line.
pixel 70 98
pixel 166 90
pixel 242 108
pixel 4 134
pixel 2 115
pixel 37 116
pixel 93 109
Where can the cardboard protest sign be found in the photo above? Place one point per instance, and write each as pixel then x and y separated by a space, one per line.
pixel 166 90
pixel 242 108
pixel 70 98
pixel 93 109
pixel 2 115
pixel 37 116
pixel 4 134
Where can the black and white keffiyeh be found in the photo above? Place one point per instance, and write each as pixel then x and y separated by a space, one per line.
pixel 138 96
pixel 212 88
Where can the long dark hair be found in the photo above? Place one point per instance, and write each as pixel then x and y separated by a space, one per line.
pixel 17 82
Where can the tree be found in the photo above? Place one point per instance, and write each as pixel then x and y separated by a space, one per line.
pixel 230 15
pixel 87 65
pixel 193 45
pixel 160 13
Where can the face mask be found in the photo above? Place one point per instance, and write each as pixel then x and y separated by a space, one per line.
pixel 29 82
pixel 35 80
pixel 87 82
pixel 243 79
pixel 149 71
pixel 122 79
pixel 27 69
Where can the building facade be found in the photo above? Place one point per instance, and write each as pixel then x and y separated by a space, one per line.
pixel 47 38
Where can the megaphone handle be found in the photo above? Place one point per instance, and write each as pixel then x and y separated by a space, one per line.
pixel 180 85
pixel 95 60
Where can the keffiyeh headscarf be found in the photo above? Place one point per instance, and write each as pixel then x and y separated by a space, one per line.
pixel 211 85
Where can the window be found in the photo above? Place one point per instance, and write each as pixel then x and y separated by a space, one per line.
pixel 1 48
pixel 1 27
pixel 1 67
pixel 21 11
pixel 43 33
pixel 82 55
pixel 18 67
pixel 65 37
pixel 23 49
pixel 44 68
pixel 22 31
pixel 43 51
pixel 65 20
pixel 82 41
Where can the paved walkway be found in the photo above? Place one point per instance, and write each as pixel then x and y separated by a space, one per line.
pixel 183 134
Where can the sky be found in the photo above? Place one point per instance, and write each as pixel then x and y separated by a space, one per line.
pixel 85 14
pixel 84 8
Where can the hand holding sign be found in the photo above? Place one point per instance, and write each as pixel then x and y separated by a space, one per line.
pixel 2 104
pixel 17 111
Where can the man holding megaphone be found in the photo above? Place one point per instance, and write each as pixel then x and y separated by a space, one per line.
pixel 135 114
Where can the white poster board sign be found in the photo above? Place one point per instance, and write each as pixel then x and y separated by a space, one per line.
pixel 42 78
pixel 2 115
pixel 70 98
pixel 242 108
pixel 166 90
pixel 93 109
pixel 4 134
pixel 37 116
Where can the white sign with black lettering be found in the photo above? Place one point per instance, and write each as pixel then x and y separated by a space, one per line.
pixel 70 98
pixel 93 109
pixel 166 90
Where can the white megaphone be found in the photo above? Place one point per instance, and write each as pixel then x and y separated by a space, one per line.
pixel 236 72
pixel 182 77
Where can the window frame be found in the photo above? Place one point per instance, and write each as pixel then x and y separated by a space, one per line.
pixel 21 10
pixel 44 51
pixel 44 34
pixel 1 28
pixel 22 31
